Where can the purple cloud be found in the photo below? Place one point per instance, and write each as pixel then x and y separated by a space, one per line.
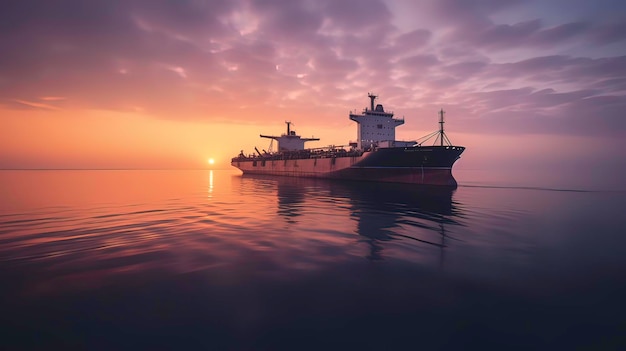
pixel 559 34
pixel 609 33
pixel 414 39
pixel 505 35
pixel 240 59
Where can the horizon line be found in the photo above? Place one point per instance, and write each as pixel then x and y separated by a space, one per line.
pixel 112 169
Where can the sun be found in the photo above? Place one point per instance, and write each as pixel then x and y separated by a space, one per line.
pixel 211 161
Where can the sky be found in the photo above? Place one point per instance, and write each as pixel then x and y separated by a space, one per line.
pixel 169 84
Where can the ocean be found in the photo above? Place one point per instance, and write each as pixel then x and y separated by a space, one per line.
pixel 211 259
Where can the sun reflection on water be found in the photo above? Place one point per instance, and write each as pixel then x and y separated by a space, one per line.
pixel 210 183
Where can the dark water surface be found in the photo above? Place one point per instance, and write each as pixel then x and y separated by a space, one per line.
pixel 214 260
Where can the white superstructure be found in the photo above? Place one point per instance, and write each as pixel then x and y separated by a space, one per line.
pixel 375 126
pixel 289 141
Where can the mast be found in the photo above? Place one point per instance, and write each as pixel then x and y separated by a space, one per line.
pixel 439 135
pixel 441 122
pixel 288 129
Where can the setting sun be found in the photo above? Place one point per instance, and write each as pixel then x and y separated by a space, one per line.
pixel 211 161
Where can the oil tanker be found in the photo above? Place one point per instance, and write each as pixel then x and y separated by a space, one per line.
pixel 374 156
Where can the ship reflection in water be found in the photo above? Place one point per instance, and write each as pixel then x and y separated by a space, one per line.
pixel 380 213
pixel 383 212
pixel 217 260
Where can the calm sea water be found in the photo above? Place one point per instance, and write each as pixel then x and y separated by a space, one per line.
pixel 215 260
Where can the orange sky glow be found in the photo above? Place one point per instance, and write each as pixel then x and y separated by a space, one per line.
pixel 160 85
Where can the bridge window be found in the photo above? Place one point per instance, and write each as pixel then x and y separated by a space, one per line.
pixel 380 126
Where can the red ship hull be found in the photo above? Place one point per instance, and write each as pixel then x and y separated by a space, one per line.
pixel 414 165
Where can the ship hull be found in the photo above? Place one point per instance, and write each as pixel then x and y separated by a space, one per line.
pixel 411 165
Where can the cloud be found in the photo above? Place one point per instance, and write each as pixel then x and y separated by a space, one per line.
pixel 559 34
pixel 505 35
pixel 413 40
pixel 288 21
pixel 608 33
pixel 36 105
pixel 471 13
pixel 239 60
pixel 357 15
pixel 418 62
pixel 530 34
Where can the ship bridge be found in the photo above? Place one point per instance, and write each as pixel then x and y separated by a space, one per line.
pixel 375 125
pixel 289 141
